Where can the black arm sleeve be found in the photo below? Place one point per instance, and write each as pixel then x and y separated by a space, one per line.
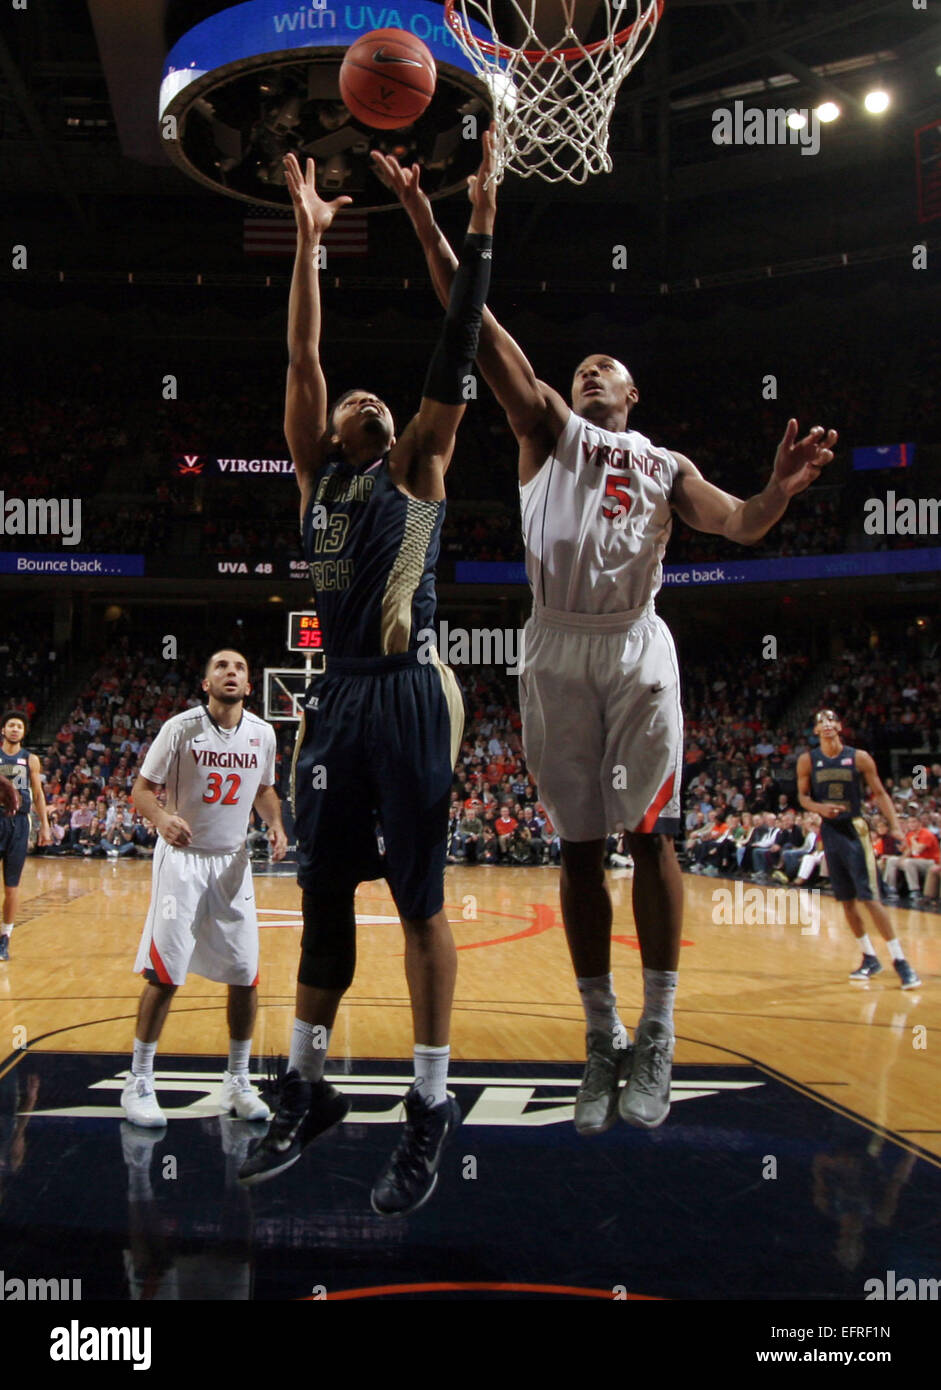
pixel 454 356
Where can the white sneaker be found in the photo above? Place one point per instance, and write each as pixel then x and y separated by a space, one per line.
pixel 239 1094
pixel 140 1102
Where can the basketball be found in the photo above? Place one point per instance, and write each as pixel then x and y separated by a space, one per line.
pixel 9 797
pixel 387 78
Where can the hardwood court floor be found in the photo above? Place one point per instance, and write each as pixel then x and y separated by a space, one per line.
pixel 760 992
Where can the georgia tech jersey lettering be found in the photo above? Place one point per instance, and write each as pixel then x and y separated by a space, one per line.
pixel 837 781
pixel 596 520
pixel 212 775
pixel 15 767
pixel 372 552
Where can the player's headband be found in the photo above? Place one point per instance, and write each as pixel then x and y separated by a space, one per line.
pixel 826 714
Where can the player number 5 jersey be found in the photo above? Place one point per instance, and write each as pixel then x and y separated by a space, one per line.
pixel 212 775
pixel 596 520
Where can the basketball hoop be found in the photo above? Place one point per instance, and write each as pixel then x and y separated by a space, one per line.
pixel 552 102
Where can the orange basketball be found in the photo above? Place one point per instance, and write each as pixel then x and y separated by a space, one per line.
pixel 387 78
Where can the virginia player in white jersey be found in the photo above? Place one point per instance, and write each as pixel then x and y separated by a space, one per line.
pixel 217 762
pixel 599 684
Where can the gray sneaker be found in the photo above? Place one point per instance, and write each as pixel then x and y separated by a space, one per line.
pixel 645 1100
pixel 596 1102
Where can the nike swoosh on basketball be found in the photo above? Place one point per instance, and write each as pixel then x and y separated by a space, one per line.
pixel 381 56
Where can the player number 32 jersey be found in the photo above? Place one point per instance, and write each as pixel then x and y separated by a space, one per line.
pixel 212 775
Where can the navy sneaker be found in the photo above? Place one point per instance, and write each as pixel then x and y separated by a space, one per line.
pixel 307 1109
pixel 906 974
pixel 412 1172
pixel 868 966
pixel 5 946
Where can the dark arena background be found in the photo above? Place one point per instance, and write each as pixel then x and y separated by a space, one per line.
pixel 149 517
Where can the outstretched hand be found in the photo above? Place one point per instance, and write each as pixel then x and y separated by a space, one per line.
pixel 312 214
pixel 798 463
pixel 482 187
pixel 405 184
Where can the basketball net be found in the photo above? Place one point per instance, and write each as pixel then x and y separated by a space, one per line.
pixel 552 104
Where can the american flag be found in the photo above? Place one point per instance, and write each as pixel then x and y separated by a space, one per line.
pixel 267 232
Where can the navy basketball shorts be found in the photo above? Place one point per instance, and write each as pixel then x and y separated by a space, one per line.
pixel 851 863
pixel 372 776
pixel 14 842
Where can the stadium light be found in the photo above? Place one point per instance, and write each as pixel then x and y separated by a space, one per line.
pixel 876 101
pixel 796 121
pixel 828 111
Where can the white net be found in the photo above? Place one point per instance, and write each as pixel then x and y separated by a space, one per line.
pixel 552 101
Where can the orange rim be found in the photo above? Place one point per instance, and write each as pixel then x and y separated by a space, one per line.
pixel 560 55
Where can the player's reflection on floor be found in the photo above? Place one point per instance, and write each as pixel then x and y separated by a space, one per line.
pixel 18 1096
pixel 158 1264
pixel 860 1189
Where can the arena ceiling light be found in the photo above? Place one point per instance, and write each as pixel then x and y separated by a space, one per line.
pixel 876 101
pixel 796 120
pixel 259 80
pixel 828 111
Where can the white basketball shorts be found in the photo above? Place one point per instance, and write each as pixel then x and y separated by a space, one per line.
pixel 201 918
pixel 602 722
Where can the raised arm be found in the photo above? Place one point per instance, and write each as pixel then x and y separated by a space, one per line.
pixel 533 409
pixel 305 403
pixel 419 460
pixel 797 464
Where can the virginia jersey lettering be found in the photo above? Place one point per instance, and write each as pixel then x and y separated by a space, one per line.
pixel 15 767
pixel 372 564
pixel 212 775
pixel 596 520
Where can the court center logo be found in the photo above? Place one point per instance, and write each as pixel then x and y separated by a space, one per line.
pixel 772 125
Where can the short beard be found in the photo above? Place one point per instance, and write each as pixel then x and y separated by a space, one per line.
pixel 225 698
pixel 376 427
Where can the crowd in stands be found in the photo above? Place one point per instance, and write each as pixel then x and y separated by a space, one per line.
pixel 741 811
pixel 29 672
pixel 89 771
pixel 106 434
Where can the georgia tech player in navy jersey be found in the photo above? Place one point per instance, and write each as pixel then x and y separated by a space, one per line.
pixel 382 727
pixel 830 781
pixel 599 684
pixel 22 769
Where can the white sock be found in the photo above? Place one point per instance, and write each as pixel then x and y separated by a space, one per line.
pixel 6 929
pixel 431 1073
pixel 659 993
pixel 309 1044
pixel 895 949
pixel 866 944
pixel 239 1056
pixel 600 1005
pixel 142 1062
